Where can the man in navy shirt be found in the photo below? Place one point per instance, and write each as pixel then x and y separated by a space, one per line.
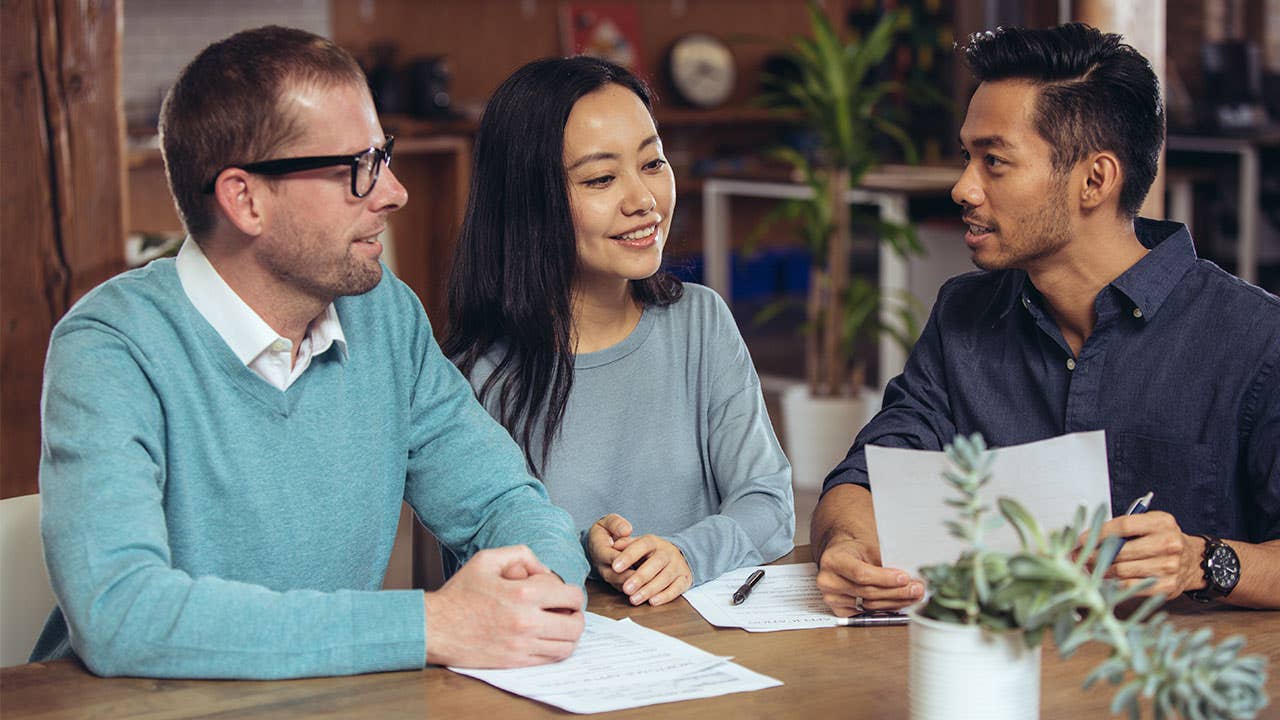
pixel 1084 317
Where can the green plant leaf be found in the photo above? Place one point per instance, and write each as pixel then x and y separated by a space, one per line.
pixel 1126 699
pixel 1026 526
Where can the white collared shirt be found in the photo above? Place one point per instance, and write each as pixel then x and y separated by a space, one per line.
pixel 252 340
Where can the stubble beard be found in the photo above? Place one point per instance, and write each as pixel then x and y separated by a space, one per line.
pixel 1042 234
pixel 300 265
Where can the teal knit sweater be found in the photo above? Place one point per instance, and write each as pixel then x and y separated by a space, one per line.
pixel 199 522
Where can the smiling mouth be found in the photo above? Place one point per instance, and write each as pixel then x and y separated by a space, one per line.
pixel 635 235
pixel 977 229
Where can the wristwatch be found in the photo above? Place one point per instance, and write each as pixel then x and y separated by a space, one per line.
pixel 1221 570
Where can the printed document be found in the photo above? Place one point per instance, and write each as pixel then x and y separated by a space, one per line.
pixel 786 598
pixel 1051 478
pixel 619 664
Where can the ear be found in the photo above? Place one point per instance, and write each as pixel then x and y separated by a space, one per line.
pixel 240 199
pixel 1101 181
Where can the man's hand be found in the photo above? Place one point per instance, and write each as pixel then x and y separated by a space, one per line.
pixel 847 571
pixel 1156 547
pixel 600 550
pixel 503 609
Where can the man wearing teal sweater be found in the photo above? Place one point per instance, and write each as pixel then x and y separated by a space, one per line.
pixel 228 436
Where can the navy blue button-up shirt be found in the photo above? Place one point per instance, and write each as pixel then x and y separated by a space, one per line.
pixel 1182 371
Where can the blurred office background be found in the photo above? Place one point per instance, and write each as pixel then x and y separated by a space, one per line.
pixel 84 194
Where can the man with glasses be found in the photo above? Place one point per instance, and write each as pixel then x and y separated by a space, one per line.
pixel 228 436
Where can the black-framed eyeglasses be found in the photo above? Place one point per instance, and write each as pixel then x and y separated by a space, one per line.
pixel 365 166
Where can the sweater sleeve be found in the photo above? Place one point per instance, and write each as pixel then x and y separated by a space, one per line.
pixel 128 610
pixel 756 519
pixel 468 481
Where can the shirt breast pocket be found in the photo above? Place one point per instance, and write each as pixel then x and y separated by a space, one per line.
pixel 1183 476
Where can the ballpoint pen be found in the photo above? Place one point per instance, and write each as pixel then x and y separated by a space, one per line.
pixel 1137 507
pixel 740 595
pixel 868 619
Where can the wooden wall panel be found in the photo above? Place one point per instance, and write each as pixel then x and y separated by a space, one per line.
pixel 61 209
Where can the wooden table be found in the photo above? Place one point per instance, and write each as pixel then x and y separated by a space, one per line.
pixel 834 672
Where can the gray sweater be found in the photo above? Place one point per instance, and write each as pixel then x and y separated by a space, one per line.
pixel 668 429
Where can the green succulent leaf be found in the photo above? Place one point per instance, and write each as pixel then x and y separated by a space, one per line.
pixel 1047 587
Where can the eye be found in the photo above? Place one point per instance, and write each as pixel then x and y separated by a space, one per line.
pixel 656 164
pixel 992 161
pixel 964 157
pixel 598 182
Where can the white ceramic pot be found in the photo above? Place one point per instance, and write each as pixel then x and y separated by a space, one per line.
pixel 817 432
pixel 962 672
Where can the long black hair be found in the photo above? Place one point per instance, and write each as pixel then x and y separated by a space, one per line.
pixel 513 271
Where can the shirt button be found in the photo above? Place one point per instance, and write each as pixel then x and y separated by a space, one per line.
pixel 1026 303
pixel 1137 312
pixel 280 345
pixel 1071 363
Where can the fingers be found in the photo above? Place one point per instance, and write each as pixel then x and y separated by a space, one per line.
pixel 663 577
pixel 658 570
pixel 600 550
pixel 616 525
pixel 512 562
pixel 844 576
pixel 502 609
pixel 636 549
pixel 548 592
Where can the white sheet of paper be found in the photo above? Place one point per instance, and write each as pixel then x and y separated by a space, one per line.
pixel 786 598
pixel 619 664
pixel 1051 478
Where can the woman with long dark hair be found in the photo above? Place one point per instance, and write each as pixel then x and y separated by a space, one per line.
pixel 632 395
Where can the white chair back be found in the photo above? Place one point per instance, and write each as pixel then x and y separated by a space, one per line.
pixel 25 595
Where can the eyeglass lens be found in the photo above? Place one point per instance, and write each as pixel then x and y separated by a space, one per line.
pixel 368 167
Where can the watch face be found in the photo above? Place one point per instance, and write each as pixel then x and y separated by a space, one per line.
pixel 1223 568
pixel 702 70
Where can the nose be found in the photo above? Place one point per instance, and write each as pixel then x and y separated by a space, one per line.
pixel 639 199
pixel 388 195
pixel 967 191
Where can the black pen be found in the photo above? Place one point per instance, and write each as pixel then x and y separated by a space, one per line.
pixel 867 619
pixel 740 595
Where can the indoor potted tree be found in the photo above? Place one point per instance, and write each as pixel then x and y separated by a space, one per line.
pixel 830 87
pixel 992 603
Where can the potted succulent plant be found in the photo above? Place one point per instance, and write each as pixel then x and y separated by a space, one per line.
pixel 832 89
pixel 1005 603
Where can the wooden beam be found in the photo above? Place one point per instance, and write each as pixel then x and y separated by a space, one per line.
pixel 62 214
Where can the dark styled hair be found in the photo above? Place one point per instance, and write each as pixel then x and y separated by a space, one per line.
pixel 512 280
pixel 224 109
pixel 1097 93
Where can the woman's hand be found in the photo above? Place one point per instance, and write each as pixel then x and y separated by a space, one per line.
pixel 660 572
pixel 601 551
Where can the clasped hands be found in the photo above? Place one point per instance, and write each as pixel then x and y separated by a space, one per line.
pixel 645 568
pixel 503 609
pixel 1156 548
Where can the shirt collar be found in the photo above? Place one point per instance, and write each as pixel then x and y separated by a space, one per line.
pixel 244 331
pixel 1147 283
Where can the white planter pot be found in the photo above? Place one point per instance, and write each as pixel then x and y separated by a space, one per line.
pixel 962 672
pixel 817 432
